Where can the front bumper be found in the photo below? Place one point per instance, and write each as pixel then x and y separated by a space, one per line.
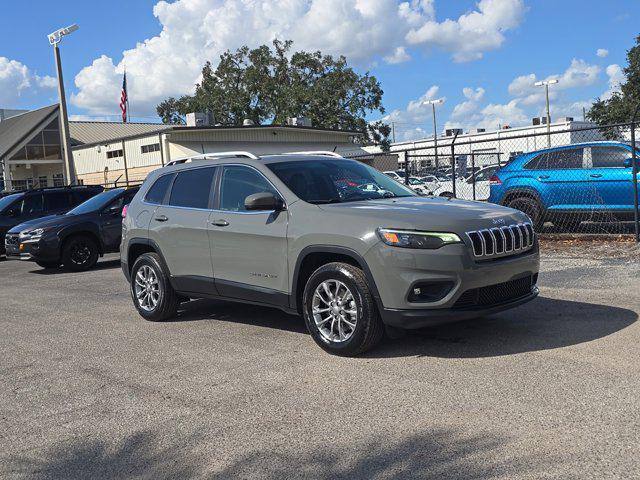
pixel 411 319
pixel 477 287
pixel 31 250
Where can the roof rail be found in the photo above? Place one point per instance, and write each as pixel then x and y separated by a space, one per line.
pixel 212 156
pixel 324 153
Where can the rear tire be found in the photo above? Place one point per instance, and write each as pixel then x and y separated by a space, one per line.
pixel 152 293
pixel 342 318
pixel 80 253
pixel 531 207
pixel 47 265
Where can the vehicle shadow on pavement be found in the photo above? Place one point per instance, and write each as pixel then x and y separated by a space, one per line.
pixel 441 454
pixel 542 324
pixel 103 265
pixel 240 313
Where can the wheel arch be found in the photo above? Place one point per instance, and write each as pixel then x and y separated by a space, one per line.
pixel 522 192
pixel 314 256
pixel 139 246
pixel 67 235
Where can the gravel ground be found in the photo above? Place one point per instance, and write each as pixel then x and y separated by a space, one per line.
pixel 90 390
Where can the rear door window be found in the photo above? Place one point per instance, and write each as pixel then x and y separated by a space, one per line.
pixel 192 188
pixel 569 158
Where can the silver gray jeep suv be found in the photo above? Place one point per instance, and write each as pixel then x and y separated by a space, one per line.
pixel 329 238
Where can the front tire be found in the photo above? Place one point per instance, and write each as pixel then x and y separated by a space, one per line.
pixel 152 293
pixel 339 310
pixel 80 253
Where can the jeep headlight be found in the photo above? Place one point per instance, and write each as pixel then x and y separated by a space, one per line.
pixel 417 239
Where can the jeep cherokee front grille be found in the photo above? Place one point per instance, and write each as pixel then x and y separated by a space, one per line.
pixel 502 241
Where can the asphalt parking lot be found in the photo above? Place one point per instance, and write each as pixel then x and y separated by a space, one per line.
pixel 90 390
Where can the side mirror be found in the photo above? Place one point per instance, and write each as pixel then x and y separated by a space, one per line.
pixel 115 210
pixel 263 201
pixel 628 162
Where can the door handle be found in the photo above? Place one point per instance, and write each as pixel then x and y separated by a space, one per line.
pixel 595 175
pixel 543 177
pixel 161 218
pixel 220 223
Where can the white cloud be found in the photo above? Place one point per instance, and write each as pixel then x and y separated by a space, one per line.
pixel 473 33
pixel 409 122
pixel 616 77
pixel 602 52
pixel 578 74
pixel 16 80
pixel 471 114
pixel 194 31
pixel 399 55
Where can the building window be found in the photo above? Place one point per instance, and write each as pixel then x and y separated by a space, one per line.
pixel 58 180
pixel 154 147
pixel 115 153
pixel 43 181
pixel 45 145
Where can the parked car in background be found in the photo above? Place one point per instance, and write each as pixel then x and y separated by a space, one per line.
pixel 75 239
pixel 431 181
pixel 419 186
pixel 570 184
pixel 276 230
pixel 394 175
pixel 20 207
pixel 465 186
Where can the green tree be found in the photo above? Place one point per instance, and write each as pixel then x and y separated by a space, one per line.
pixel 267 85
pixel 619 108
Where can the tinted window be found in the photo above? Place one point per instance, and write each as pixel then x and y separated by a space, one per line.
pixel 192 188
pixel 557 160
pixel 96 203
pixel 336 181
pixel 8 200
pixel 158 191
pixel 58 200
pixel 28 205
pixel 607 157
pixel 237 184
pixel 32 204
pixel 80 196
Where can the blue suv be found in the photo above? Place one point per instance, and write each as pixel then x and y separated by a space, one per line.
pixel 570 184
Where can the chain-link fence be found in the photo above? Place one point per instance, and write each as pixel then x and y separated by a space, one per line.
pixel 581 180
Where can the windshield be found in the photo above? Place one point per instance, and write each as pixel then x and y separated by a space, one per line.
pixel 97 203
pixel 8 200
pixel 336 181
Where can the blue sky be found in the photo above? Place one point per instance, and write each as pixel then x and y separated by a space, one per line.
pixel 418 50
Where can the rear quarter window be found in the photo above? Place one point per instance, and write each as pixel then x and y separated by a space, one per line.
pixel 158 190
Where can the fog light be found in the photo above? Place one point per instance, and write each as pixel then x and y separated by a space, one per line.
pixel 430 291
pixel 21 248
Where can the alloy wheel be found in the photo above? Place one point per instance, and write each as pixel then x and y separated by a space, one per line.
pixel 334 311
pixel 147 288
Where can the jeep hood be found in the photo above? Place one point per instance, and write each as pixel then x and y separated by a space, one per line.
pixel 430 213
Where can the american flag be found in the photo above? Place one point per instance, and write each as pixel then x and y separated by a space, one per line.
pixel 124 99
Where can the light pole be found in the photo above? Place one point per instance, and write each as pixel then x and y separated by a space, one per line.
pixel 54 39
pixel 546 84
pixel 433 104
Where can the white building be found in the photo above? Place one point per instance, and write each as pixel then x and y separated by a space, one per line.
pixel 31 149
pixel 482 147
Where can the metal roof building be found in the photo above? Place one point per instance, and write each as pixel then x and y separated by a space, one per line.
pixel 105 152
